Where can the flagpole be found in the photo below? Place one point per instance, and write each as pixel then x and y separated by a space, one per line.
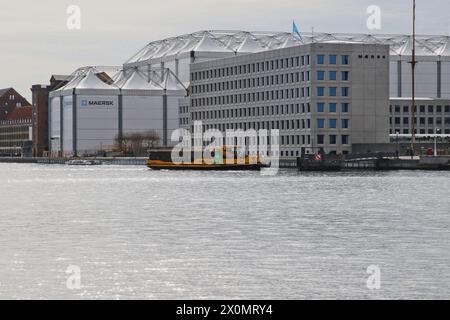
pixel 413 65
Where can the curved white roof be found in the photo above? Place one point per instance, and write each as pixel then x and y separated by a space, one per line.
pixel 86 78
pixel 242 42
pixel 159 79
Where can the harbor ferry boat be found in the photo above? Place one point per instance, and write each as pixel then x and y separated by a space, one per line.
pixel 226 160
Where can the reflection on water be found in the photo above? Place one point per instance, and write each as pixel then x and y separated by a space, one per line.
pixel 135 233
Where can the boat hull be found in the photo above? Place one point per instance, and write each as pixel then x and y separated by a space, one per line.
pixel 193 167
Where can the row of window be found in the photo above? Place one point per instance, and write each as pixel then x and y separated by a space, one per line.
pixel 280 79
pixel 332 75
pixel 303 124
pixel 252 68
pixel 332 107
pixel 332 59
pixel 421 109
pixel 371 56
pixel 332 91
pixel 184 109
pixel 422 121
pixel 300 140
pixel 332 123
pixel 275 110
pixel 332 139
pixel 286 94
pixel 419 131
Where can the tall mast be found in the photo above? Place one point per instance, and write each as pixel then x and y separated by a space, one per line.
pixel 413 65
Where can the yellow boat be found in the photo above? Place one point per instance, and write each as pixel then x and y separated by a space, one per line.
pixel 162 160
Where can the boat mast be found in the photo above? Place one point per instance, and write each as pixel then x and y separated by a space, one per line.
pixel 413 65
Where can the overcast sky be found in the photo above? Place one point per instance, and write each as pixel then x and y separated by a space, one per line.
pixel 35 42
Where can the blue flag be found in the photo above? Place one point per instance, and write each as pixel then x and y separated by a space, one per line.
pixel 296 31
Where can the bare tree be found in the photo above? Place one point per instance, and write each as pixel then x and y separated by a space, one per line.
pixel 138 143
pixel 151 139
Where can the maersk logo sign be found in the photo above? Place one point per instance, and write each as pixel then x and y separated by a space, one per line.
pixel 93 103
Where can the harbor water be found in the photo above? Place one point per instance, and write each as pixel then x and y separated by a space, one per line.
pixel 131 233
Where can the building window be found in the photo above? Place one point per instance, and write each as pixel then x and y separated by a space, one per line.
pixel 320 91
pixel 321 107
pixel 344 91
pixel 344 107
pixel 320 59
pixel 345 123
pixel 332 59
pixel 332 91
pixel 320 75
pixel 320 139
pixel 345 60
pixel 332 107
pixel 332 123
pixel 345 75
pixel 320 123
pixel 333 139
pixel 332 75
pixel 345 139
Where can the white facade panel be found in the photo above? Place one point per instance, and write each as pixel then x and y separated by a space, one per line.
pixel 55 115
pixel 184 69
pixel 97 123
pixel 426 79
pixel 173 116
pixel 67 125
pixel 393 79
pixel 143 113
pixel 446 79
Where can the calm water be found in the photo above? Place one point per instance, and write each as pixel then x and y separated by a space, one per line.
pixel 168 235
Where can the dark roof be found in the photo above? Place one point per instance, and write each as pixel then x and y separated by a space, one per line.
pixel 3 91
pixel 20 113
pixel 58 77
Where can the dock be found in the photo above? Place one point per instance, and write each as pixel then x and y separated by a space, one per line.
pixel 378 161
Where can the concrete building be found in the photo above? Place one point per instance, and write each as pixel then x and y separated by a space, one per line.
pixel 40 97
pixel 16 133
pixel 433 54
pixel 321 96
pixel 432 116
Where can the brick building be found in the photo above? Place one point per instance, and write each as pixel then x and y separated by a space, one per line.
pixel 9 100
pixel 16 132
pixel 40 112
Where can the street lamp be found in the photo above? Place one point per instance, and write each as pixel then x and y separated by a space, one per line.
pixel 436 132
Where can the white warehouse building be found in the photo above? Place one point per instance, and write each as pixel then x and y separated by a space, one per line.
pixel 92 111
